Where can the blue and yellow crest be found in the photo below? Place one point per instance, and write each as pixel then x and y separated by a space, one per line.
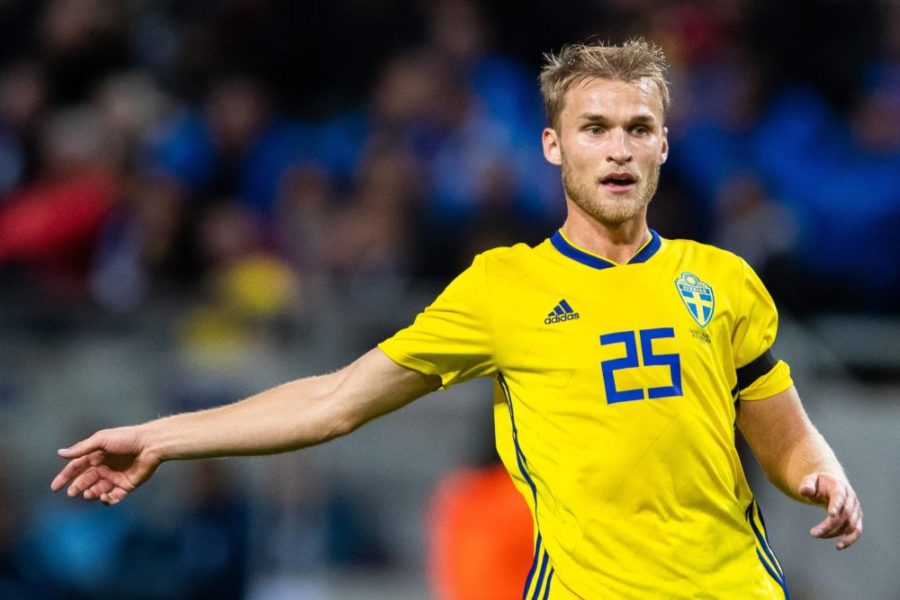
pixel 697 296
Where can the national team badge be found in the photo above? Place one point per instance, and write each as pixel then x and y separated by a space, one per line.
pixel 697 296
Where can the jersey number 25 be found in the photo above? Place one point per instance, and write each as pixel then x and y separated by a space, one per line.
pixel 634 359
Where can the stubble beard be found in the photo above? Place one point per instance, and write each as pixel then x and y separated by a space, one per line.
pixel 610 211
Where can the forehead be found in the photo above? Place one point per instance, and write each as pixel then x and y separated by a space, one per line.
pixel 613 98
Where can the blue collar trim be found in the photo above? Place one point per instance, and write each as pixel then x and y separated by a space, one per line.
pixel 576 254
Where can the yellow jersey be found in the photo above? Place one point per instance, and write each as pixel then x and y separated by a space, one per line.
pixel 616 391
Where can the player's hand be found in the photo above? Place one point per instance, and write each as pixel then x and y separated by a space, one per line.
pixel 107 466
pixel 845 516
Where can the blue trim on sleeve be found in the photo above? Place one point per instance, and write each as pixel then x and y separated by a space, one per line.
pixel 566 249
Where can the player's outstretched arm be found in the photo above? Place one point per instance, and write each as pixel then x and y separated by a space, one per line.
pixel 798 460
pixel 112 463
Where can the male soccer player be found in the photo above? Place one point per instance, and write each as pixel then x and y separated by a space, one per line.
pixel 623 363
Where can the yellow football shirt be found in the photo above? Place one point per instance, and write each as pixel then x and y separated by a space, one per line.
pixel 615 405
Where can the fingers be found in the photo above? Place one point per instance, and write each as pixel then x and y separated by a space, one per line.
pixel 809 486
pixel 113 497
pixel 99 482
pixel 83 482
pixel 856 529
pixel 83 447
pixel 70 472
pixel 98 490
pixel 80 455
pixel 837 519
pixel 102 486
pixel 844 519
pixel 830 526
pixel 836 501
pixel 107 466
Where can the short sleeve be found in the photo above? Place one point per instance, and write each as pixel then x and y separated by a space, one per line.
pixel 453 337
pixel 759 373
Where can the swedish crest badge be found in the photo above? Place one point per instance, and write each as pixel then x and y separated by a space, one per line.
pixel 697 296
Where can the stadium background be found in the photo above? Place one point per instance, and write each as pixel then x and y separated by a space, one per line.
pixel 201 199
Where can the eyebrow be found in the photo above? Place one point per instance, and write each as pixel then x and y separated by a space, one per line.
pixel 640 119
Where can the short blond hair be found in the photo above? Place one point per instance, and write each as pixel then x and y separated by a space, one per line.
pixel 574 63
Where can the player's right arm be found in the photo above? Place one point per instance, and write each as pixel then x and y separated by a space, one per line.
pixel 112 463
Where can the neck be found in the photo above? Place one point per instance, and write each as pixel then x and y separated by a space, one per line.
pixel 616 242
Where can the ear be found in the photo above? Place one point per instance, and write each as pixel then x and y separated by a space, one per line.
pixel 664 154
pixel 552 150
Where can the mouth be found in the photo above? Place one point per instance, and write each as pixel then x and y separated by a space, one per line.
pixel 618 182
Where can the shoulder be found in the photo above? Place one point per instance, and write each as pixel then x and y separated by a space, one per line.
pixel 727 272
pixel 507 254
pixel 509 261
pixel 702 249
pixel 492 269
pixel 707 254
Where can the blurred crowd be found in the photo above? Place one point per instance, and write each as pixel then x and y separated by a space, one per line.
pixel 248 153
pixel 248 150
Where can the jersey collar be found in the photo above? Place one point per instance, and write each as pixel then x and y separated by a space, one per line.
pixel 566 248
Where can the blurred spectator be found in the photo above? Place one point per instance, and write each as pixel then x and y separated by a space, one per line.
pixel 249 290
pixel 212 538
pixel 13 582
pixel 815 44
pixel 371 232
pixel 131 107
pixel 81 42
pixel 845 198
pixel 749 223
pixel 762 231
pixel 488 168
pixel 199 551
pixel 234 146
pixel 464 115
pixel 481 536
pixel 312 523
pixel 875 120
pixel 480 530
pixel 23 104
pixel 303 218
pixel 231 159
pixel 50 225
pixel 145 248
pixel 74 552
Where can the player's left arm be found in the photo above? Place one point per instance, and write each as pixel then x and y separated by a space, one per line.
pixel 797 459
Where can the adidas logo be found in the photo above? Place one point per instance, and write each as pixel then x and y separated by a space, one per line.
pixel 561 312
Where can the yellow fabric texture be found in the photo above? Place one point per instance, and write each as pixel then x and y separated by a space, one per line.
pixel 616 418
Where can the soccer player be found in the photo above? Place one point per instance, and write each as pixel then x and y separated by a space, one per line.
pixel 623 362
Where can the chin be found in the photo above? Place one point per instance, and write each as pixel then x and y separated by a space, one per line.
pixel 615 213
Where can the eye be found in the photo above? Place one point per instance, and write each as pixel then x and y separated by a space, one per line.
pixel 640 130
pixel 595 130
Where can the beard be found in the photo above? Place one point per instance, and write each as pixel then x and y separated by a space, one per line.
pixel 609 210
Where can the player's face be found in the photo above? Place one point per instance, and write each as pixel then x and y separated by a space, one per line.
pixel 610 143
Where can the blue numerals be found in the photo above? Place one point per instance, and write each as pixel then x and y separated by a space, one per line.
pixel 634 359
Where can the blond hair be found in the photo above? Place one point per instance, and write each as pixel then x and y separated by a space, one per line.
pixel 574 63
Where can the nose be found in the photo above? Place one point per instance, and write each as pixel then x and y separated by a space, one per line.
pixel 619 150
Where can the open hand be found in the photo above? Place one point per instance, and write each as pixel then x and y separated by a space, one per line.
pixel 107 466
pixel 845 516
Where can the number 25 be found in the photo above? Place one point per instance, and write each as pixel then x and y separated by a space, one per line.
pixel 646 358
